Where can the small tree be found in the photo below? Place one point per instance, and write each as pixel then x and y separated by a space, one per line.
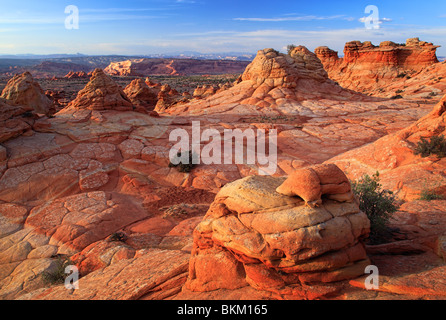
pixel 377 203
pixel 290 48
pixel 435 145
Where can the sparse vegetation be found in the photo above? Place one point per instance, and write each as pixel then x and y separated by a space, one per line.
pixel 290 48
pixel 398 96
pixel 57 275
pixel 430 195
pixel 184 167
pixel 379 205
pixel 118 236
pixel 436 145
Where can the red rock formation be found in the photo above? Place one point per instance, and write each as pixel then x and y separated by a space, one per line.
pixel 101 93
pixel 275 80
pixel 167 97
pixel 76 75
pixel 145 67
pixel 14 120
pixel 141 95
pixel 367 68
pixel 24 91
pixel 254 236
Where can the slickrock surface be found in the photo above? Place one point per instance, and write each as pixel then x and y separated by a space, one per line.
pixel 23 90
pixel 93 183
pixel 393 156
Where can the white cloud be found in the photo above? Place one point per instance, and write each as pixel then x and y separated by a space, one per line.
pixel 295 18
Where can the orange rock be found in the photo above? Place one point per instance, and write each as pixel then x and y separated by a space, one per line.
pixel 101 93
pixel 24 91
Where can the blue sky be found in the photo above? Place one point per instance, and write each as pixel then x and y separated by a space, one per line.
pixel 134 27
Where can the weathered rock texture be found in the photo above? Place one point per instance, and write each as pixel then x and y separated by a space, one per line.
pixel 23 90
pixel 254 235
pixel 12 120
pixel 393 156
pixel 368 68
pixel 101 93
pixel 141 95
pixel 274 82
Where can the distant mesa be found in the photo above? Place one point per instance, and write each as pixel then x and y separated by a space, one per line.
pixel 77 75
pixel 173 67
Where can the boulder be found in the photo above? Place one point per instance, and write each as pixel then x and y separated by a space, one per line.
pixel 23 90
pixel 274 242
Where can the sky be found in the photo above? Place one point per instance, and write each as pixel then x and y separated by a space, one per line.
pixel 142 27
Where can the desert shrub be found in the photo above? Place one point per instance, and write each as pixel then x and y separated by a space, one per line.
pixel 184 167
pixel 398 96
pixel 430 195
pixel 57 275
pixel 377 203
pixel 118 236
pixel 290 48
pixel 401 75
pixel 436 145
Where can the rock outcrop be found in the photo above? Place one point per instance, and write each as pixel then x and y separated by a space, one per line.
pixel 76 75
pixel 141 95
pixel 275 81
pixel 253 235
pixel 401 170
pixel 368 68
pixel 23 90
pixel 101 93
pixel 14 120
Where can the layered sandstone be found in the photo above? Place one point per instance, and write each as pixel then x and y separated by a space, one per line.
pixel 141 95
pixel 253 235
pixel 101 93
pixel 368 68
pixel 274 81
pixel 145 67
pixel 14 120
pixel 23 90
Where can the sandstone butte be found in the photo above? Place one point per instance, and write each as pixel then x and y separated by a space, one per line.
pixel 371 69
pixel 92 183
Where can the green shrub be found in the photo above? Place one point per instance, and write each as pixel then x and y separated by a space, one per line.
pixel 290 48
pixel 377 204
pixel 57 275
pixel 430 195
pixel 436 145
